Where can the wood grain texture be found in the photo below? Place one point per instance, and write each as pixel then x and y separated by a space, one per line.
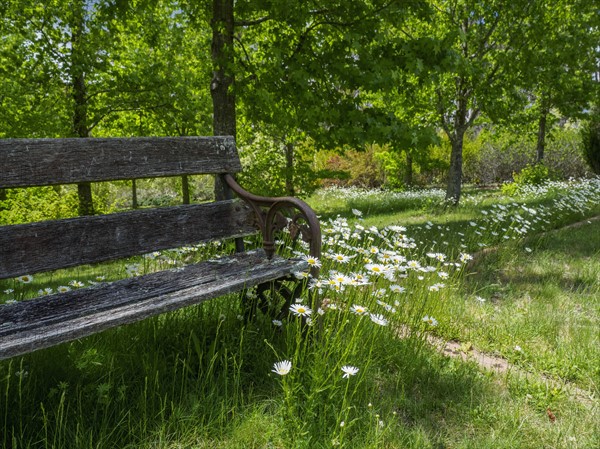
pixel 46 321
pixel 37 162
pixel 45 246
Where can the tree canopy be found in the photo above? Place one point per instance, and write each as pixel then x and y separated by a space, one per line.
pixel 338 73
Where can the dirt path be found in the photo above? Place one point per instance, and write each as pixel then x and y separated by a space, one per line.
pixel 501 366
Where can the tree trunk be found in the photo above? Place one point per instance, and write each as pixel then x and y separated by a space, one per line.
pixel 3 197
pixel 541 136
pixel 289 169
pixel 79 94
pixel 222 83
pixel 463 118
pixel 455 174
pixel 185 189
pixel 134 199
pixel 408 172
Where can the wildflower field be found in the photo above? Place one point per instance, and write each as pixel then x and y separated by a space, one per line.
pixel 360 359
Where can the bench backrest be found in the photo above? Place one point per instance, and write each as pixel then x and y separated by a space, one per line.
pixel 50 245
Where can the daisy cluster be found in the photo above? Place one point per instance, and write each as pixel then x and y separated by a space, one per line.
pixel 373 272
pixel 370 272
pixel 580 188
pixel 358 193
pixel 514 220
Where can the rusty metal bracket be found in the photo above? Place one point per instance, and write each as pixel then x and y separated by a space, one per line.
pixel 271 217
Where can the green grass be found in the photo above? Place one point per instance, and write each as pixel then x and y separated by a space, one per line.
pixel 202 377
pixel 545 300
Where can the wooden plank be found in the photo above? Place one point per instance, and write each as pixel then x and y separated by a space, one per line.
pixel 45 246
pixel 36 162
pixel 46 321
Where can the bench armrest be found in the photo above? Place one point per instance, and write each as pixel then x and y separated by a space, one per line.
pixel 302 220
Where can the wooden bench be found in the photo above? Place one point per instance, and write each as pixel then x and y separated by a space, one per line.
pixel 44 246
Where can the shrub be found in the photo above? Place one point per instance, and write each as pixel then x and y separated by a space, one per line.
pixel 531 175
pixel 38 204
pixel 381 166
pixel 355 168
pixel 495 154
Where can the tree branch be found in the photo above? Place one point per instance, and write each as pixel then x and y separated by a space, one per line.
pixel 246 55
pixel 249 23
pixel 441 112
pixel 113 110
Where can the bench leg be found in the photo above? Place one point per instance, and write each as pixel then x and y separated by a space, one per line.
pixel 270 292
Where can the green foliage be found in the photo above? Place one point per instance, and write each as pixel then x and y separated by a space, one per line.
pixel 531 175
pixel 494 154
pixel 591 142
pixel 382 166
pixel 364 167
pixel 55 202
pixel 265 169
pixel 432 167
pixel 38 204
pixel 392 166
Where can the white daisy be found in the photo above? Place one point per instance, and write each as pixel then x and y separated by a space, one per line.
pixel 349 371
pixel 358 310
pixel 25 279
pixel 379 319
pixel 413 264
pixel 282 368
pixel 430 320
pixel 312 261
pixel 300 310
pixel 376 268
pixel 465 257
pixel 341 258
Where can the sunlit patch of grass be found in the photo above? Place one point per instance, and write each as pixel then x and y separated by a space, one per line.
pixel 546 302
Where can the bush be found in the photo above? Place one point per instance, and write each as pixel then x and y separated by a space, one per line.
pixel 355 168
pixel 494 155
pixel 381 166
pixel 38 204
pixel 531 175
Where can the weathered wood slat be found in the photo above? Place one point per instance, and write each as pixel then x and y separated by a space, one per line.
pixel 45 246
pixel 46 321
pixel 36 162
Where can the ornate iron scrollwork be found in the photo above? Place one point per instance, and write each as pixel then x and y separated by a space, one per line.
pixel 277 213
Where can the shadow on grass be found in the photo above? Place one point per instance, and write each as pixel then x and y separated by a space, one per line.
pixel 193 370
pixel 560 258
pixel 433 396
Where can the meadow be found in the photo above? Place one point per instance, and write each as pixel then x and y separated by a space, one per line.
pixel 402 276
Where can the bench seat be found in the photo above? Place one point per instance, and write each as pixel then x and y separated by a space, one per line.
pixel 48 320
